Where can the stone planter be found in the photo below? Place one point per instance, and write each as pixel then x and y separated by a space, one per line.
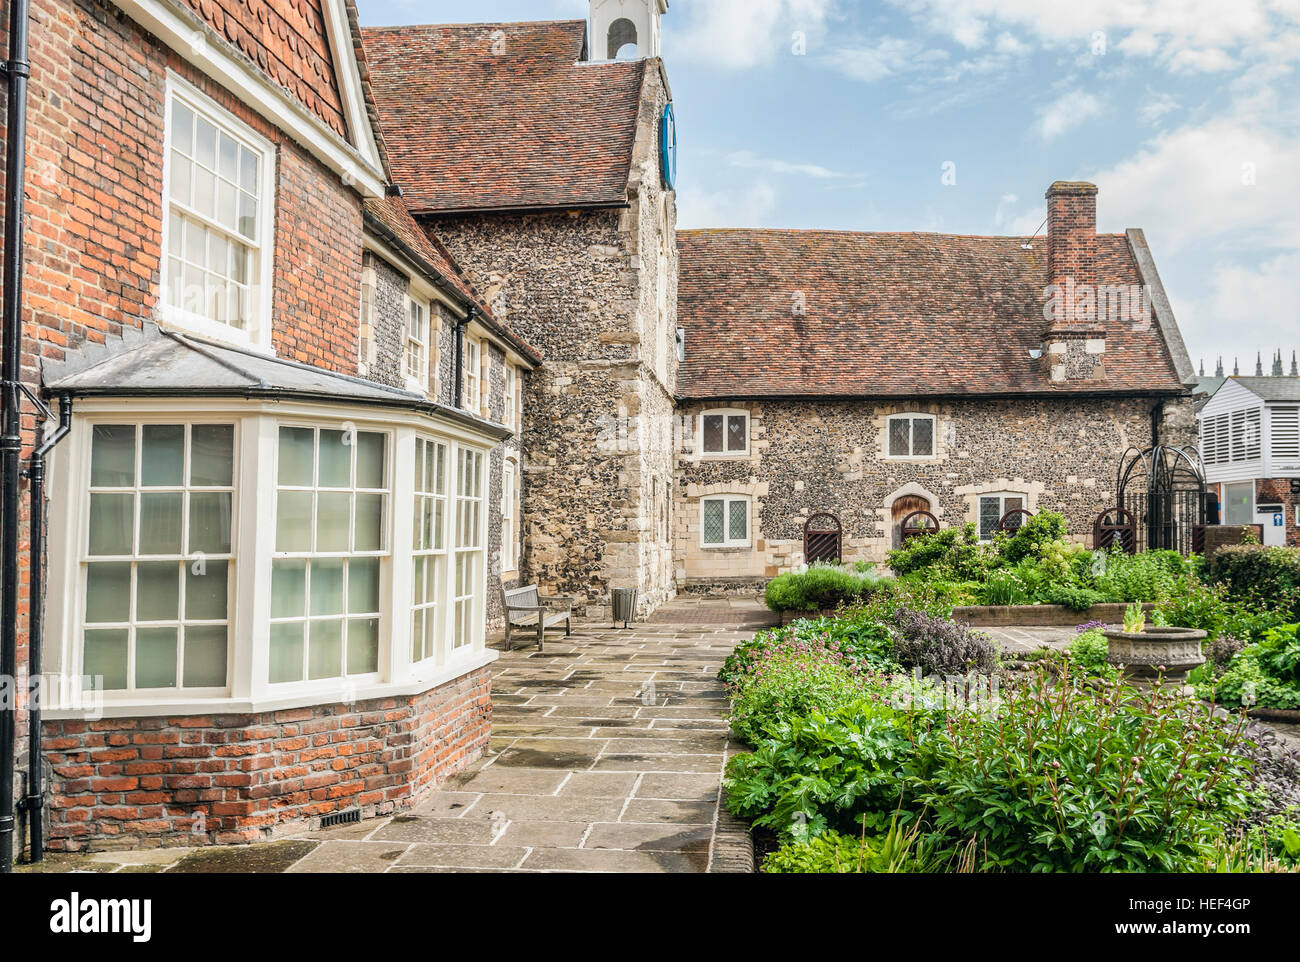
pixel 1176 650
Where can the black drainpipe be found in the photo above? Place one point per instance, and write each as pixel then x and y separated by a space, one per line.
pixel 16 73
pixel 35 800
pixel 460 356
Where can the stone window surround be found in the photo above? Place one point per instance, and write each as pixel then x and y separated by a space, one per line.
pixel 970 493
pixel 913 416
pixel 248 690
pixel 724 455
pixel 754 491
pixel 942 428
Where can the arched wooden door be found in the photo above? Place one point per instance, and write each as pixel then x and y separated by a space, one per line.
pixel 901 509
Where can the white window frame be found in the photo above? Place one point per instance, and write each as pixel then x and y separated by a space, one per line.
pixel 417 379
pixel 134 558
pixel 434 605
pixel 911 437
pixel 473 362
pixel 250 595
pixel 726 414
pixel 475 556
pixel 313 557
pixel 512 414
pixel 258 334
pixel 727 501
pixel 509 517
pixel 1002 507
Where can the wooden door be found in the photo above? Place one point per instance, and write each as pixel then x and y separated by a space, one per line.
pixel 902 508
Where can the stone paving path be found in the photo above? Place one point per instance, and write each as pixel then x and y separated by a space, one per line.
pixel 607 756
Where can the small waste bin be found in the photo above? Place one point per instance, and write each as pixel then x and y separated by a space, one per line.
pixel 624 604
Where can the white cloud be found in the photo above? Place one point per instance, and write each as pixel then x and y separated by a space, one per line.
pixel 751 205
pixel 887 57
pixel 1066 112
pixel 1256 299
pixel 1188 35
pixel 1153 110
pixel 748 160
pixel 739 34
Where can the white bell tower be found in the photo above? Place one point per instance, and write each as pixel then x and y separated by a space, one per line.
pixel 625 29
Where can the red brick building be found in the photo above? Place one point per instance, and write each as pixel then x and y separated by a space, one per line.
pixel 273 523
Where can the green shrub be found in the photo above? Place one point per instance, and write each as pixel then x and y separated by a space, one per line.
pixel 1147 576
pixel 790 683
pixel 1004 588
pixel 1266 577
pixel 1263 675
pixel 833 853
pixel 1030 537
pixel 841 769
pixel 953 554
pixel 818 588
pixel 1077 778
pixel 1088 653
pixel 1072 597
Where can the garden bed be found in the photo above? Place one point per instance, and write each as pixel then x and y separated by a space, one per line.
pixel 1047 616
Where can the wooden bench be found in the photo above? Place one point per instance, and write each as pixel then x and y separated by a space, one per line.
pixel 524 608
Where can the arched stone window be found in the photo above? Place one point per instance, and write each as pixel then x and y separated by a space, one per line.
pixel 622 34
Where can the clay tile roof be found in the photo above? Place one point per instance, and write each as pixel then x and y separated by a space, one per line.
pixel 289 42
pixel 887 315
pixel 390 217
pixel 526 127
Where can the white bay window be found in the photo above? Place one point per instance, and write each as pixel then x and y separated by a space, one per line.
pixel 253 555
pixel 329 542
pixel 158 556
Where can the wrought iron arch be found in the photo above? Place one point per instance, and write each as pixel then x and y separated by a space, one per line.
pixel 822 538
pixel 917 523
pixel 1013 519
pixel 1115 528
pixel 1163 488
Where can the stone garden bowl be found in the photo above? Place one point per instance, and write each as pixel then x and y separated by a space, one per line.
pixel 1144 653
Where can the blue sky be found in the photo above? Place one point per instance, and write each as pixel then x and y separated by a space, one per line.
pixel 1186 113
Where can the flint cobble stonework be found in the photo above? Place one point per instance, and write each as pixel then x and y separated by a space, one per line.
pixel 221 779
pixel 595 292
pixel 807 457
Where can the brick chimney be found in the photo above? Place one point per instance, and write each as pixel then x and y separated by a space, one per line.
pixel 1074 344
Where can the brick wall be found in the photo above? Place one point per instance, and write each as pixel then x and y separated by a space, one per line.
pixel 1278 491
pixel 223 779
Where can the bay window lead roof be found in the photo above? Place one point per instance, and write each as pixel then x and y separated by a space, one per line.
pixel 160 363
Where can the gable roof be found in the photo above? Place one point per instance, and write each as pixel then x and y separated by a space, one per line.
pixel 526 127
pixel 888 315
pixel 1281 388
pixel 289 42
pixel 389 218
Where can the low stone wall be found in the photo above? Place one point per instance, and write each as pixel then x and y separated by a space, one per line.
pixel 1046 616
pixel 724 587
pixel 229 779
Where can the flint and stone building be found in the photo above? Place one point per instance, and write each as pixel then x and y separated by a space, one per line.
pixel 356 328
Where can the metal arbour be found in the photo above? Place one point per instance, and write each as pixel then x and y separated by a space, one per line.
pixel 1162 490
pixel 822 538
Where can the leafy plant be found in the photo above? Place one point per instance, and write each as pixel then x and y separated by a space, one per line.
pixel 940 647
pixel 1135 619
pixel 823 770
pixel 1088 653
pixel 1029 539
pixel 1067 777
pixel 1073 597
pixel 818 588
